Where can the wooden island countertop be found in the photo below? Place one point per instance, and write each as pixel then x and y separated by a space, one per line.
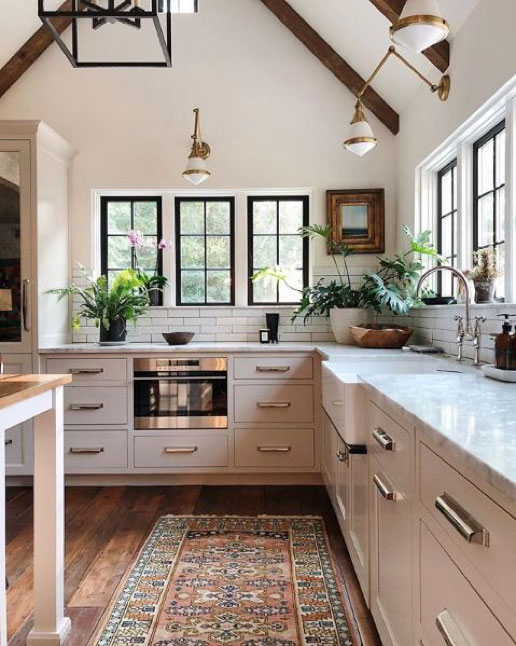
pixel 18 388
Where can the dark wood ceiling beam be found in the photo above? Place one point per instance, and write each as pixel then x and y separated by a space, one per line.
pixel 438 55
pixel 333 61
pixel 31 51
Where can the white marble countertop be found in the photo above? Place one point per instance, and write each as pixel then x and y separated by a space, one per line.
pixel 331 351
pixel 472 418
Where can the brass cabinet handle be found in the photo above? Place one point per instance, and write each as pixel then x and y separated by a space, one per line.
pixel 449 630
pixel 384 489
pixel 86 371
pixel 181 449
pixel 272 368
pixel 25 304
pixel 274 449
pixel 86 450
pixel 384 440
pixel 8 442
pixel 86 406
pixel 273 404
pixel 461 520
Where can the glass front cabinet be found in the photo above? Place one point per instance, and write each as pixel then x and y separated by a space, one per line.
pixel 15 247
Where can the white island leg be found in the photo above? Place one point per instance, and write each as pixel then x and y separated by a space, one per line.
pixel 50 625
pixel 3 608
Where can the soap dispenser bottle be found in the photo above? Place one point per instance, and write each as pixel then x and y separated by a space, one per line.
pixel 505 348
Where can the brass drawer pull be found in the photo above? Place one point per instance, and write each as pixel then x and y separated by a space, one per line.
pixel 449 630
pixel 25 305
pixel 274 449
pixel 86 371
pixel 384 440
pixel 181 449
pixel 272 368
pixel 470 529
pixel 384 489
pixel 86 406
pixel 273 404
pixel 86 450
pixel 8 442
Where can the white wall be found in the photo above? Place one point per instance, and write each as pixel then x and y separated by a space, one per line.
pixel 274 116
pixel 483 56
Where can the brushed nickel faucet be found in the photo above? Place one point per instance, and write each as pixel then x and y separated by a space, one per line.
pixel 465 330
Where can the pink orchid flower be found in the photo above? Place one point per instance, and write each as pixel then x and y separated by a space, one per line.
pixel 136 239
pixel 163 244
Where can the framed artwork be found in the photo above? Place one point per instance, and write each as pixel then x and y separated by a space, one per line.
pixel 357 218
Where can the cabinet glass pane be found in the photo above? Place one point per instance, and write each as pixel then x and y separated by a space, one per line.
pixel 10 248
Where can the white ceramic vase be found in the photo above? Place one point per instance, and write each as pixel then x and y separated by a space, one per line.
pixel 342 318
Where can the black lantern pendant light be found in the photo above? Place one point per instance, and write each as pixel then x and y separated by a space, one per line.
pixel 104 12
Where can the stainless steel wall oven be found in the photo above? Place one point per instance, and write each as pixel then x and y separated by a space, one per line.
pixel 175 393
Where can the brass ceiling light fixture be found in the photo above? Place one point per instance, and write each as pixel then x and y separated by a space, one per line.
pixel 196 171
pixel 420 25
pixel 361 138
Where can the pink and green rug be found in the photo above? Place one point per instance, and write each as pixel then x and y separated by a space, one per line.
pixel 231 581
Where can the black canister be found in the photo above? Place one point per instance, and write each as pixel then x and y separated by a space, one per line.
pixel 273 324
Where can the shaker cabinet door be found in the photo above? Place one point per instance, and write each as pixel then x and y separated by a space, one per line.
pixel 15 244
pixel 391 561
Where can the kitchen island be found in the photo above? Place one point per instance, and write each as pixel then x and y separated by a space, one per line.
pixel 23 397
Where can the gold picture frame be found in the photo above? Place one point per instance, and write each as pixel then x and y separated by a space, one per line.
pixel 357 219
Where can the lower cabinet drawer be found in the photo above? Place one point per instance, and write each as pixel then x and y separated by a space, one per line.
pixel 484 532
pixel 95 449
pixel 449 605
pixel 181 451
pixel 95 405
pixel 274 404
pixel 14 447
pixel 274 447
pixel 273 368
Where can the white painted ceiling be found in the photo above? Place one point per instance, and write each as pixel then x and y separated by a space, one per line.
pixel 354 28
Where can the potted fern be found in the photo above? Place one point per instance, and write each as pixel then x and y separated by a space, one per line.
pixel 110 307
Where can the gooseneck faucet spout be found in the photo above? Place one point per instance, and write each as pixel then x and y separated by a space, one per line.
pixel 468 329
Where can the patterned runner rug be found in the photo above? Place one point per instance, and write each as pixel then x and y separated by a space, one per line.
pixel 231 581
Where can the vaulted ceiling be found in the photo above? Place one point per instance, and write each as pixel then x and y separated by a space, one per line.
pixel 355 30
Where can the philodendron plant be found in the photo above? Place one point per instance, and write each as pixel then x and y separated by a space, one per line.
pixel 392 286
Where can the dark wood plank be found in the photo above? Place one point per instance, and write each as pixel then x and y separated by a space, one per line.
pixel 106 528
pixel 438 55
pixel 333 61
pixel 31 50
pixel 230 501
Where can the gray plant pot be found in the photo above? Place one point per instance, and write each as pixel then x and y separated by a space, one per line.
pixel 116 333
pixel 484 291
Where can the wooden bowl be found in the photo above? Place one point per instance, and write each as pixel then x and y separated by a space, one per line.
pixel 380 336
pixel 178 338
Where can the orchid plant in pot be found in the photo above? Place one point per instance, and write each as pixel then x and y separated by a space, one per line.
pixel 111 307
pixel 148 260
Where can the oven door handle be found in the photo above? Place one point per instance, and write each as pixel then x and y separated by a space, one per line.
pixel 181 378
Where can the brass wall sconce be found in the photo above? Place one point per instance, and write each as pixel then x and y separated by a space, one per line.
pixel 361 138
pixel 196 171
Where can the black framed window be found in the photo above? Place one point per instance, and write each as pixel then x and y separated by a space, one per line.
pixel 489 196
pixel 447 226
pixel 119 216
pixel 274 241
pixel 205 250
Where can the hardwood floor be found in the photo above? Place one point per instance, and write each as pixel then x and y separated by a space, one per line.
pixel 105 529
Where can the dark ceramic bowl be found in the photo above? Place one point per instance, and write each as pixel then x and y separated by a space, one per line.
pixel 178 338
